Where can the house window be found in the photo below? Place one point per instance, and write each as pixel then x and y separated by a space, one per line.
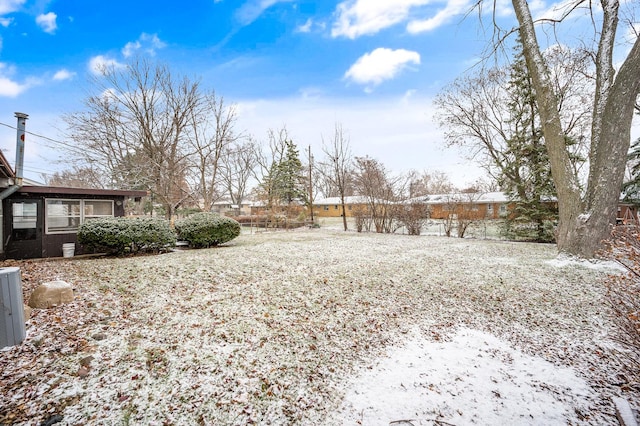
pixel 503 209
pixel 335 207
pixel 97 208
pixel 65 216
pixel 62 216
pixel 25 219
pixel 326 208
pixel 490 209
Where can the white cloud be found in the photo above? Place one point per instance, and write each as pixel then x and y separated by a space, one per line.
pixel 306 27
pixel 380 65
pixel 311 25
pixel 444 16
pixel 130 48
pixel 361 17
pixel 5 22
pixel 8 6
pixel 100 64
pixel 63 74
pixel 11 88
pixel 252 9
pixel 504 8
pixel 47 21
pixel 147 43
pixel 8 86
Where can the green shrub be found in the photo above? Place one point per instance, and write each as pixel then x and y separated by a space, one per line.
pixel 521 229
pixel 150 234
pixel 118 235
pixel 207 229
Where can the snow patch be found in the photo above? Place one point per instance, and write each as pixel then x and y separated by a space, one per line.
pixel 565 260
pixel 474 378
pixel 625 412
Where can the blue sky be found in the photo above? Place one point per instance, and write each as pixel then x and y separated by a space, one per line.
pixel 371 65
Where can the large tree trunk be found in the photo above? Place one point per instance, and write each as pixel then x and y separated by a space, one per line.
pixel 584 224
pixel 609 158
pixel 567 186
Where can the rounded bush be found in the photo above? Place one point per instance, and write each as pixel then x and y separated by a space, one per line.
pixel 207 229
pixel 118 235
pixel 151 234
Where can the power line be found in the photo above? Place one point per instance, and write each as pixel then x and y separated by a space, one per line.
pixel 64 144
pixel 38 136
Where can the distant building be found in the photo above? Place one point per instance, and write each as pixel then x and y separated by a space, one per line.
pixel 332 206
pixel 490 205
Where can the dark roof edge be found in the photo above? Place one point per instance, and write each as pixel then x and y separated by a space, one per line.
pixel 6 167
pixel 81 191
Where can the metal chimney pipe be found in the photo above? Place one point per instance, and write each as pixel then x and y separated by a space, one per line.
pixel 22 119
pixel 17 183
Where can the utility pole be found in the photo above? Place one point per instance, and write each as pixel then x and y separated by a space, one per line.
pixel 311 185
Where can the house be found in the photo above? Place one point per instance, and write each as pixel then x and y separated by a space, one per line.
pixel 490 205
pixel 38 220
pixel 332 206
pixel 227 208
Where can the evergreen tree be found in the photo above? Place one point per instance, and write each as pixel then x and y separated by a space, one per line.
pixel 285 181
pixel 291 185
pixel 631 188
pixel 526 176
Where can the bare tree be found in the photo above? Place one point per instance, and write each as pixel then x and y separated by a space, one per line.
pixel 212 134
pixel 448 217
pixel 268 160
pixel 488 112
pixel 412 214
pixel 135 129
pixel 467 211
pixel 238 164
pixel 362 217
pixel 339 163
pixel 76 177
pixel 322 184
pixel 426 183
pixel 372 181
pixel 584 221
pixel 460 210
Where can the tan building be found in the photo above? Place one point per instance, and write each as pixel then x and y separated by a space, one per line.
pixel 331 207
pixel 490 205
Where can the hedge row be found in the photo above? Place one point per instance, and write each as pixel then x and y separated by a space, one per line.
pixel 119 235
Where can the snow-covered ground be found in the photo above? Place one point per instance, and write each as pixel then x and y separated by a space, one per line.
pixel 320 327
pixel 475 378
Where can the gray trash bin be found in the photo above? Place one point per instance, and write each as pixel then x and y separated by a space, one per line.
pixel 12 329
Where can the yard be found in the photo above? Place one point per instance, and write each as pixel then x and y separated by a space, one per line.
pixel 315 327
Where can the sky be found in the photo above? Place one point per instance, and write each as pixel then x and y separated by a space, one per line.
pixel 372 66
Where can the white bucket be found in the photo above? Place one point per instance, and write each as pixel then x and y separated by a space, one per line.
pixel 68 249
